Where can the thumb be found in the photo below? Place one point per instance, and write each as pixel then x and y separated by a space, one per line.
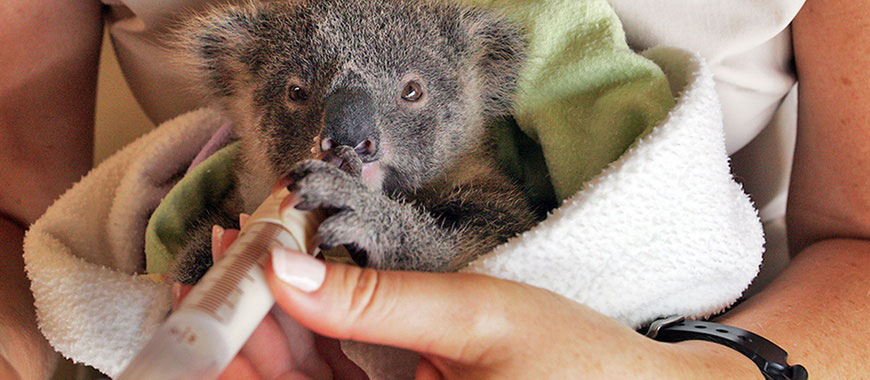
pixel 456 316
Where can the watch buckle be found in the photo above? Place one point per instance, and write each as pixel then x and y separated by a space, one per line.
pixel 661 323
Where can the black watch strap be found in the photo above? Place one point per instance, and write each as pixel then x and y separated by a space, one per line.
pixel 770 358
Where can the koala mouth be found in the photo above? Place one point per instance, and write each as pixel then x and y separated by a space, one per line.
pixel 372 175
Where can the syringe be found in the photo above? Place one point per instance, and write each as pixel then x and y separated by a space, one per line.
pixel 212 323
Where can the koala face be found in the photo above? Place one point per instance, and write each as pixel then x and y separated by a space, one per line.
pixel 407 84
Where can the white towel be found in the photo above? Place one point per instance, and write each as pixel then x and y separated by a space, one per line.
pixel 664 230
pixel 81 255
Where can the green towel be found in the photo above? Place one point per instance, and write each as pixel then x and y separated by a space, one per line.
pixel 584 98
pixel 584 95
pixel 202 189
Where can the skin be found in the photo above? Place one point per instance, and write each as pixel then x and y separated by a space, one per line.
pixel 46 143
pixel 815 310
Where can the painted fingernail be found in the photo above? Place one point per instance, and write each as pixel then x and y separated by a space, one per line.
pixel 217 235
pixel 176 295
pixel 298 269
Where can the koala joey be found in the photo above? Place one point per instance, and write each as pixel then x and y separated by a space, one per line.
pixel 400 90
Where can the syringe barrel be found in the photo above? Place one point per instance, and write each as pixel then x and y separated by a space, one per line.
pixel 219 314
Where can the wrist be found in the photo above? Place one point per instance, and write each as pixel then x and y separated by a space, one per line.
pixel 698 359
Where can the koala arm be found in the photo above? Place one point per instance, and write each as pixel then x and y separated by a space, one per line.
pixel 439 228
pixel 195 256
pixel 477 216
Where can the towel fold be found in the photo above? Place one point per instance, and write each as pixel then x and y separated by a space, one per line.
pixel 583 95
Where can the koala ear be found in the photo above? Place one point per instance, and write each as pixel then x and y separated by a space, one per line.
pixel 500 52
pixel 219 47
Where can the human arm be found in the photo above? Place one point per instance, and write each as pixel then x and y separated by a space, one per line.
pixel 816 309
pixel 48 69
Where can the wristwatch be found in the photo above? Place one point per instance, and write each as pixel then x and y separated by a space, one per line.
pixel 770 358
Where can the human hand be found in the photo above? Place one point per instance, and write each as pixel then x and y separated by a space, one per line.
pixel 279 347
pixel 463 325
pixel 475 326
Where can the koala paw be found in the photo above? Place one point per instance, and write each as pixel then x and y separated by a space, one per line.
pixel 347 228
pixel 322 185
pixel 355 208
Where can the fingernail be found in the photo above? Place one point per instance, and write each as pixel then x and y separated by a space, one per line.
pixel 176 290
pixel 217 235
pixel 243 218
pixel 298 269
pixel 176 295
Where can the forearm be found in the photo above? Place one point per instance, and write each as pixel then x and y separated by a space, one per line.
pixel 24 352
pixel 817 309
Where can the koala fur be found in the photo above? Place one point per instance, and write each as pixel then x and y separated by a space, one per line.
pixel 302 77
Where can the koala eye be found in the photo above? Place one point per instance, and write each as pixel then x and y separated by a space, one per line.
pixel 297 94
pixel 412 92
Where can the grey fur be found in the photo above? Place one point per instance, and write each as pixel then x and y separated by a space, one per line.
pixel 442 198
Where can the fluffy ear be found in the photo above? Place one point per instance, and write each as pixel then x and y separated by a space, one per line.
pixel 220 47
pixel 500 49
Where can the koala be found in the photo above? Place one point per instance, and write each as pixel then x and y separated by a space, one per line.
pixel 399 93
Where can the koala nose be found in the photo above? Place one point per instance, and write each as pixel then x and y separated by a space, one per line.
pixel 349 120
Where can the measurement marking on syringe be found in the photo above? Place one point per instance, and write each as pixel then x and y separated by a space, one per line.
pixel 219 294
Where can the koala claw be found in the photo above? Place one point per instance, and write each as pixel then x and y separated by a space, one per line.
pixel 322 185
pixel 346 159
pixel 343 228
pixel 349 228
pixel 305 167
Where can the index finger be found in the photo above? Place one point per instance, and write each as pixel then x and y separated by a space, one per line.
pixel 460 317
